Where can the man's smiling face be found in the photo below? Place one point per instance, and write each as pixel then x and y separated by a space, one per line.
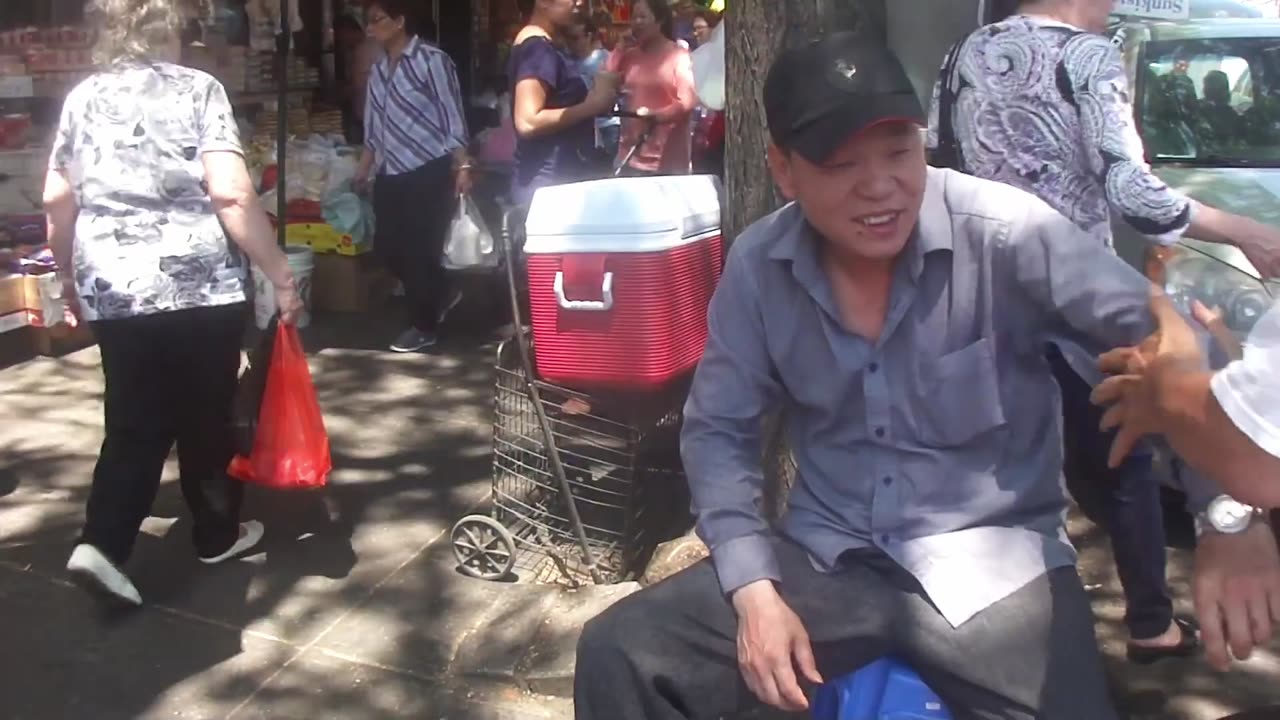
pixel 865 198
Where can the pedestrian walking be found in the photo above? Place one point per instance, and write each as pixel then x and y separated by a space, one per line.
pixel 146 183
pixel 416 154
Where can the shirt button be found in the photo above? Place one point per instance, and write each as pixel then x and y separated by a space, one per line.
pixel 888 481
pixel 874 368
pixel 879 432
pixel 885 539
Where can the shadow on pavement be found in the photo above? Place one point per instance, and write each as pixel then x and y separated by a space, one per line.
pixel 346 585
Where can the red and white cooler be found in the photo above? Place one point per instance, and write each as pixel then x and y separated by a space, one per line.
pixel 621 273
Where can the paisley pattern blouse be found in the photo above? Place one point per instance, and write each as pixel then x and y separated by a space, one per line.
pixel 1045 107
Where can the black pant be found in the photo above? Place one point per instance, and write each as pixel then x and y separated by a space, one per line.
pixel 412 214
pixel 669 651
pixel 170 378
pixel 1126 500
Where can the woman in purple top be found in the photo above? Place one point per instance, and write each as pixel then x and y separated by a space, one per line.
pixel 553 108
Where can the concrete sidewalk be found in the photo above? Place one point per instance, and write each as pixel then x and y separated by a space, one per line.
pixel 353 608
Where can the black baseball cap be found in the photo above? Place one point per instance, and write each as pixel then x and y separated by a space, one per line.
pixel 818 96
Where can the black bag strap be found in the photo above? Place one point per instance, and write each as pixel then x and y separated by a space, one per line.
pixel 948 154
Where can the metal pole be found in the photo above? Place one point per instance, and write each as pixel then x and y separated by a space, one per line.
pixel 282 110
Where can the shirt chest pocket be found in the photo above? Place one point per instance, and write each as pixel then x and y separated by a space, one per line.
pixel 956 397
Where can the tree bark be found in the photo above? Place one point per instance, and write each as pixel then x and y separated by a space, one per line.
pixel 756 32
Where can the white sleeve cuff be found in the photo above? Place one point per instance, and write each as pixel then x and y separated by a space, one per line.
pixel 1244 410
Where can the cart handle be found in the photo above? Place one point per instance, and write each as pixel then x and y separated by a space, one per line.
pixel 603 305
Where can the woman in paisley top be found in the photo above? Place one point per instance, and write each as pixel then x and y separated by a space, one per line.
pixel 146 183
pixel 1040 101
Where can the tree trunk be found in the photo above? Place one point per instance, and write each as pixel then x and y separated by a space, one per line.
pixel 757 31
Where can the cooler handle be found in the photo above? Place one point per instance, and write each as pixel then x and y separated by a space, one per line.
pixel 606 292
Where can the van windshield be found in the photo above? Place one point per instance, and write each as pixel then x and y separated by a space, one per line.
pixel 1211 102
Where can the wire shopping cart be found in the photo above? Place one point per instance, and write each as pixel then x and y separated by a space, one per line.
pixel 584 486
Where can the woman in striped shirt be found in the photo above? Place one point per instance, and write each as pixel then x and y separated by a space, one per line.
pixel 416 151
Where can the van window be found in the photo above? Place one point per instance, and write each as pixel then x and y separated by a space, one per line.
pixel 1210 101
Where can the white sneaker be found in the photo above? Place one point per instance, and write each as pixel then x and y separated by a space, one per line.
pixel 250 534
pixel 413 340
pixel 92 570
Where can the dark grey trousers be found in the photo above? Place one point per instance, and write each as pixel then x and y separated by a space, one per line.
pixel 669 651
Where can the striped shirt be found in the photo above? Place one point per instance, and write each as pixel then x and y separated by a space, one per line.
pixel 414 109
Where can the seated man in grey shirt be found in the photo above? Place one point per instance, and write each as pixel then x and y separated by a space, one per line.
pixel 899 315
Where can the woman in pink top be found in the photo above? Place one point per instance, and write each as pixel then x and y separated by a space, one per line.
pixel 657 77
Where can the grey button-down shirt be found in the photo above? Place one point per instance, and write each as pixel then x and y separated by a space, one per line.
pixel 939 444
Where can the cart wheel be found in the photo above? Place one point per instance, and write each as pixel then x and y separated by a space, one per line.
pixel 483 547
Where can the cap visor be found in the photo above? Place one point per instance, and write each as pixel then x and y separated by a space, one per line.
pixel 820 139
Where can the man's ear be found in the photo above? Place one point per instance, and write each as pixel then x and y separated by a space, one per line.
pixel 780 168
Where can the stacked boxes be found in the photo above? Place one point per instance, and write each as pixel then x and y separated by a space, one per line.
pixel 54 59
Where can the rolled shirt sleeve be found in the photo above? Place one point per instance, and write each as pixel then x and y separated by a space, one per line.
pixel 1249 389
pixel 1114 148
pixel 733 389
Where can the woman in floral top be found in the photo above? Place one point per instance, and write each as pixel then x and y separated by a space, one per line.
pixel 146 183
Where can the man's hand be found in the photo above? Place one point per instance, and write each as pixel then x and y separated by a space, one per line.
pixel 1237 592
pixel 1139 374
pixel 772 646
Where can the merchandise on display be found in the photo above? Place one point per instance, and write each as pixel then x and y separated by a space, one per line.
pixel 54 59
pixel 325 212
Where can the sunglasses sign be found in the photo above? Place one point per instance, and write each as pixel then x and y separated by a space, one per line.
pixel 1155 9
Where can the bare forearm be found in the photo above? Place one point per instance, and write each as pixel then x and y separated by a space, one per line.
pixel 548 120
pixel 247 225
pixel 1206 439
pixel 61 221
pixel 1217 226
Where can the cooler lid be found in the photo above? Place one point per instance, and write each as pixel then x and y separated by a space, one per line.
pixel 622 214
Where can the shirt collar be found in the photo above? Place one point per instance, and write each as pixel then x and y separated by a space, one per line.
pixel 799 243
pixel 933 229
pixel 412 47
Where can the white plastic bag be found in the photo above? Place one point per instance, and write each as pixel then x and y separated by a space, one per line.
pixel 343 165
pixel 470 244
pixel 708 70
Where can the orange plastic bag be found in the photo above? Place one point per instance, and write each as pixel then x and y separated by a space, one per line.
pixel 290 445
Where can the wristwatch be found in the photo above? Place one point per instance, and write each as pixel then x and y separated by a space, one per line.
pixel 1226 516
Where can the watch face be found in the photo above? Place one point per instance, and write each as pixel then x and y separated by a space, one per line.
pixel 1228 516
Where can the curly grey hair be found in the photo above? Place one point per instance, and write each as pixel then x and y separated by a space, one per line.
pixel 133 30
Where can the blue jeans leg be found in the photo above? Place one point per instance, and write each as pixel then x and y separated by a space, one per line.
pixel 1125 500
